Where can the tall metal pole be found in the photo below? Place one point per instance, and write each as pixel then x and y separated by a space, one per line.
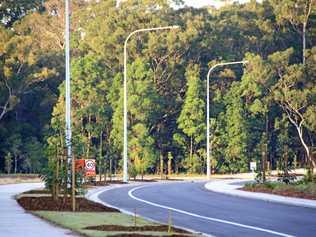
pixel 70 158
pixel 208 113
pixel 125 140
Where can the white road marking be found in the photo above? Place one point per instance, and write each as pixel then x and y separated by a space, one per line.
pixel 130 193
pixel 94 196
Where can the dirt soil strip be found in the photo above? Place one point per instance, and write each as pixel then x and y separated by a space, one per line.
pixel 159 228
pixel 48 204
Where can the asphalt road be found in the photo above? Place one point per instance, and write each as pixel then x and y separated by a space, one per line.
pixel 193 207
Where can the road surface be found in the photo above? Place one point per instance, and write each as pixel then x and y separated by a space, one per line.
pixel 193 207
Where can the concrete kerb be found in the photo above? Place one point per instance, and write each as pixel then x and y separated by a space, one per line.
pixel 231 186
pixel 93 195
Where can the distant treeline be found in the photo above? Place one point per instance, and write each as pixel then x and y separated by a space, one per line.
pixel 262 111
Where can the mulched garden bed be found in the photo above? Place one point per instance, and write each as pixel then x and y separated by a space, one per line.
pixel 286 193
pixel 48 204
pixel 154 228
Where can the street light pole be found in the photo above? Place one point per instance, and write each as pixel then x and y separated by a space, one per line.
pixel 70 158
pixel 125 141
pixel 208 112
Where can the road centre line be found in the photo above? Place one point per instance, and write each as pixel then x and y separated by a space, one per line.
pixel 130 193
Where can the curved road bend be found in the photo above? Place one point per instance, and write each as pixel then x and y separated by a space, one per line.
pixel 211 213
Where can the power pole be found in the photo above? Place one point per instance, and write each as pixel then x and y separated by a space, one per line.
pixel 70 157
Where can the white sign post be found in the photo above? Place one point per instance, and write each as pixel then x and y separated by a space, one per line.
pixel 253 166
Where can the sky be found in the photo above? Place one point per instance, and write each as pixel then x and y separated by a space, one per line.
pixel 202 3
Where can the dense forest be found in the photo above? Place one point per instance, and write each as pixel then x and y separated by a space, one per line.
pixel 262 111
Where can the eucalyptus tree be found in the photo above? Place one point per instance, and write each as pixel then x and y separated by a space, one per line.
pixel 298 14
pixel 294 91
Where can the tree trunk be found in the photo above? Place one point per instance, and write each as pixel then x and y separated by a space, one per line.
pixel 100 157
pixel 263 162
pixel 57 177
pixel 308 154
pixel 110 169
pixel 176 166
pixel 161 166
pixel 104 169
pixel 169 167
pixel 65 177
pixel 73 184
pixel 191 153
pixel 15 163
pixel 304 42
pixel 89 139
pixel 286 160
pixel 142 174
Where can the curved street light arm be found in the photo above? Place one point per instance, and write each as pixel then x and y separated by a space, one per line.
pixel 125 139
pixel 208 112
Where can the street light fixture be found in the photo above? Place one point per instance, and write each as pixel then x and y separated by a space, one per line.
pixel 208 112
pixel 125 142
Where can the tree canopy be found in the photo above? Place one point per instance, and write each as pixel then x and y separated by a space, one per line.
pixel 270 102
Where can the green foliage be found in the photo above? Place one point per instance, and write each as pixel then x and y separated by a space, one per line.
pixel 11 11
pixel 8 163
pixel 270 103
pixel 143 104
pixel 133 171
pixel 192 119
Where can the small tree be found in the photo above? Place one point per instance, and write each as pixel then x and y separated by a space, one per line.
pixel 8 162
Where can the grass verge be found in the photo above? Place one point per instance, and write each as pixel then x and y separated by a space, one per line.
pixel 298 189
pixel 79 221
pixel 19 178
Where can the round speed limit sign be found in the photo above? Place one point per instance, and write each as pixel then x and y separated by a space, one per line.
pixel 90 165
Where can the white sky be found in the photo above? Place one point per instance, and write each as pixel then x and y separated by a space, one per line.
pixel 202 3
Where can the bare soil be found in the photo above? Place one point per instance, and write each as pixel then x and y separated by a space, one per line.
pixel 286 193
pixel 144 180
pixel 158 228
pixel 104 183
pixel 48 204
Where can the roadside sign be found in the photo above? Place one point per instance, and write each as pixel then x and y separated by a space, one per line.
pixel 90 168
pixel 253 166
pixel 86 167
pixel 80 165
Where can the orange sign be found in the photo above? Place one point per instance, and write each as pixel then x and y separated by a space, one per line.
pixel 80 165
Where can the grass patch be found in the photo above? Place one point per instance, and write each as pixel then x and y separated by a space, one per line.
pixel 2 175
pixel 19 178
pixel 79 221
pixel 297 189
